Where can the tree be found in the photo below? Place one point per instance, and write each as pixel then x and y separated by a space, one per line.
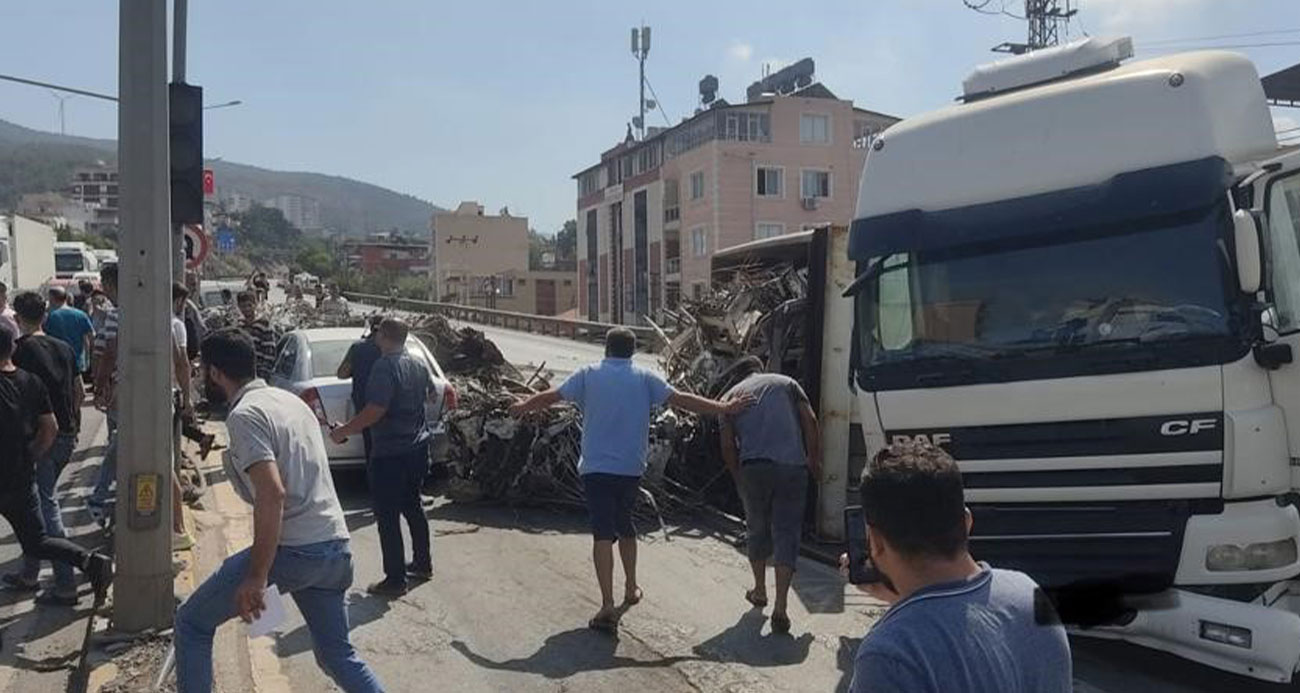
pixel 537 245
pixel 566 241
pixel 265 228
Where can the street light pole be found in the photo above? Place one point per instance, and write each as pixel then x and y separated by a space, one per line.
pixel 142 592
pixel 180 18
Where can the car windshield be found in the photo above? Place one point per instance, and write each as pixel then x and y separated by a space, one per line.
pixel 69 262
pixel 326 355
pixel 1085 300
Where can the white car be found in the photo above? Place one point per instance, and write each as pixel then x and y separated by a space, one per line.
pixel 307 365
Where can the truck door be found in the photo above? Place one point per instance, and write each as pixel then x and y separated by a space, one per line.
pixel 1280 203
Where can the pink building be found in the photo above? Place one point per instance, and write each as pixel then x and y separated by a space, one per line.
pixel 728 175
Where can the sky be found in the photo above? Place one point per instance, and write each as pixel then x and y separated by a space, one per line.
pixel 502 101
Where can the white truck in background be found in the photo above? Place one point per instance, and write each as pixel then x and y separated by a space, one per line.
pixel 75 260
pixel 26 253
pixel 1083 280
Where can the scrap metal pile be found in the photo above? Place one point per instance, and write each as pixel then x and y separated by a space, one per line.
pixel 759 312
pixel 492 455
pixel 286 317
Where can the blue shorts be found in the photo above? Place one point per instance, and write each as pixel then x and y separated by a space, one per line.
pixel 611 498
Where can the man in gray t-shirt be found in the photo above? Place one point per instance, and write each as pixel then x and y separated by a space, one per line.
pixel 954 624
pixel 276 462
pixel 771 449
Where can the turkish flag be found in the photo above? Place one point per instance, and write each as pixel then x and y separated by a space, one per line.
pixel 209 182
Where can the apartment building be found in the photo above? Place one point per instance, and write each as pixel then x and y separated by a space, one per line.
pixel 471 252
pixel 301 211
pixel 96 188
pixel 387 255
pixel 652 212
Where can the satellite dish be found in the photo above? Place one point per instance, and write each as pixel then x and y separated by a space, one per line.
pixel 650 104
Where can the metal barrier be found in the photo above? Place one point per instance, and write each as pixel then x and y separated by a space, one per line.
pixel 537 324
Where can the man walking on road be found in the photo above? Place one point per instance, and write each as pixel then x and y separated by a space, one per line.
pixel 260 330
pixel 27 430
pixel 617 398
pixel 104 366
pixel 51 361
pixel 396 394
pixel 770 450
pixel 72 326
pixel 277 462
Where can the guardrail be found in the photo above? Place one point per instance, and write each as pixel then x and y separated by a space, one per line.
pixel 581 330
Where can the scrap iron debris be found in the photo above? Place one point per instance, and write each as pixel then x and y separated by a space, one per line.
pixel 492 455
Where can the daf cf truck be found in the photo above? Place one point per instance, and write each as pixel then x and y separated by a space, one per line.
pixel 1083 280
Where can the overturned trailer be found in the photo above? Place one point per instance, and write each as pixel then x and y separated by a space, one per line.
pixel 781 299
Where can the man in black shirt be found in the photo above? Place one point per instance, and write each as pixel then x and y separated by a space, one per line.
pixel 27 430
pixel 54 363
pixel 361 358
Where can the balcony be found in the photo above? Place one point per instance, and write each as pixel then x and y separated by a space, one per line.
pixel 672 214
pixel 673 267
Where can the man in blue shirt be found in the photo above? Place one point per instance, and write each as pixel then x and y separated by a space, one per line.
pixel 954 624
pixel 617 398
pixel 396 393
pixel 72 326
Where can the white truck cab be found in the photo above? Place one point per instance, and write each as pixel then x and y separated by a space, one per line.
pixel 1083 280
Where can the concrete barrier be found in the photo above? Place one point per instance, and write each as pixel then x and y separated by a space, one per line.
pixel 578 330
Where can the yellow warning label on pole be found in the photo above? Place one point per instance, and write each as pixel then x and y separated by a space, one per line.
pixel 146 494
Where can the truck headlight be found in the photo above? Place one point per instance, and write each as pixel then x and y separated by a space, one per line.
pixel 1229 558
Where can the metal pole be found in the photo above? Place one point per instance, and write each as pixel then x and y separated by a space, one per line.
pixel 641 129
pixel 142 592
pixel 47 85
pixel 180 17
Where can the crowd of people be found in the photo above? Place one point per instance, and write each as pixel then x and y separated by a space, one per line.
pixel 953 623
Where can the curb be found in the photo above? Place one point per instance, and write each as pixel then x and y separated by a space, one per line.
pixel 267 675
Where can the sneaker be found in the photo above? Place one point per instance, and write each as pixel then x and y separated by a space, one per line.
pixel 54 597
pixel 99 568
pixel 17 582
pixel 182 541
pixel 419 572
pixel 387 588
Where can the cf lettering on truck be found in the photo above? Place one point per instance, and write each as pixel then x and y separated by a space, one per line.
pixel 1083 280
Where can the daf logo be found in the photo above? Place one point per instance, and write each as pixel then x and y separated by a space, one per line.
pixel 1186 427
pixel 935 439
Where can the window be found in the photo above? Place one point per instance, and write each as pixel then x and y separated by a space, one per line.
pixel 1284 239
pixel 743 126
pixel 769 183
pixel 697 185
pixel 697 290
pixel 814 129
pixel 765 230
pixel 589 182
pixel 816 184
pixel 699 241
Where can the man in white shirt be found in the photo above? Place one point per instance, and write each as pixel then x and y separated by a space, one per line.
pixel 276 462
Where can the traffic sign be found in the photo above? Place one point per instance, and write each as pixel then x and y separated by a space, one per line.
pixel 196 245
pixel 225 239
pixel 209 182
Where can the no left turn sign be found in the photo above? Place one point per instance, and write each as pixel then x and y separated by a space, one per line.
pixel 196 245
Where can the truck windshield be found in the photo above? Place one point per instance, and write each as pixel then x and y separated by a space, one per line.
pixel 69 262
pixel 1155 295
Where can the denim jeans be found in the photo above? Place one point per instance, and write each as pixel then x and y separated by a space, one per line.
pixel 47 481
pixel 395 493
pixel 318 577
pixel 102 493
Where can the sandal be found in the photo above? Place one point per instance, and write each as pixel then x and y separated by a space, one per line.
pixel 634 599
pixel 780 624
pixel 753 599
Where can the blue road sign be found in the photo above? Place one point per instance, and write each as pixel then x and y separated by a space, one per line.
pixel 225 239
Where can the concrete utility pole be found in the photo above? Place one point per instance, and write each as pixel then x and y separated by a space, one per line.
pixel 142 592
pixel 180 19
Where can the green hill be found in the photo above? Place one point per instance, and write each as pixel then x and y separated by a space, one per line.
pixel 36 161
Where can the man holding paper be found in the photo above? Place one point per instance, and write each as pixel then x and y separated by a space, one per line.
pixel 276 462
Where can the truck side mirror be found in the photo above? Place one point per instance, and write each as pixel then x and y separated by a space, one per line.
pixel 1246 238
